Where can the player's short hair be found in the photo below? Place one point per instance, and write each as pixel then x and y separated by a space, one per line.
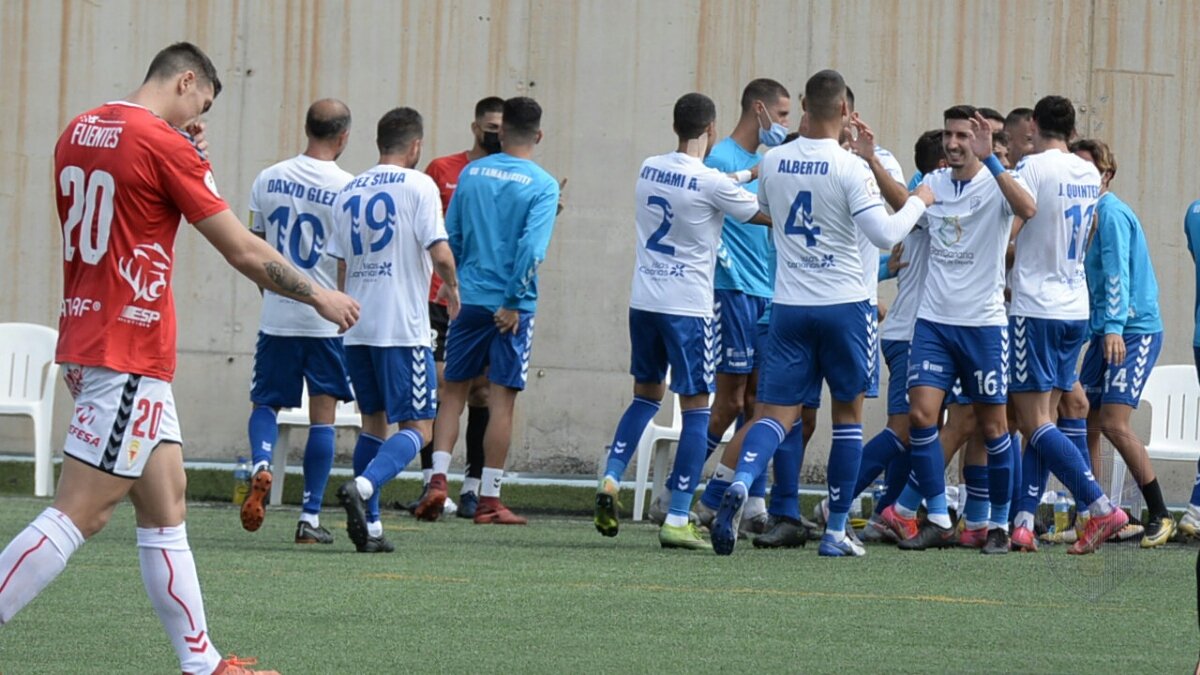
pixel 992 114
pixel 960 112
pixel 182 57
pixel 1001 137
pixel 1105 161
pixel 693 113
pixel 823 94
pixel 397 129
pixel 1018 115
pixel 850 98
pixel 762 89
pixel 522 119
pixel 490 104
pixel 326 120
pixel 929 151
pixel 1055 117
pixel 791 137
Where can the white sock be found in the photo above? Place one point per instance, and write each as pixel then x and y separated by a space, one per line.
pixel 960 502
pixel 169 573
pixel 441 462
pixel 940 519
pixel 1084 513
pixel 904 512
pixel 490 486
pixel 365 489
pixel 724 473
pixel 1194 510
pixel 675 520
pixel 426 474
pixel 838 535
pixel 1024 519
pixel 261 465
pixel 310 518
pixel 974 525
pixel 1101 506
pixel 375 528
pixel 754 506
pixel 999 526
pixel 34 558
pixel 470 485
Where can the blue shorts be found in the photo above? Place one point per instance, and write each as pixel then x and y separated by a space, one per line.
pixel 956 395
pixel 282 365
pixel 895 352
pixel 1123 383
pixel 736 315
pixel 685 343
pixel 764 329
pixel 807 345
pixel 1045 353
pixel 474 345
pixel 942 354
pixel 401 381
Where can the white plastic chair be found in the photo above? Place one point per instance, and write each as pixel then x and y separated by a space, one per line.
pixel 346 415
pixel 27 375
pixel 654 449
pixel 1173 393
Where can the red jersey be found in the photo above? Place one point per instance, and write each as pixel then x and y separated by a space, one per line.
pixel 123 178
pixel 444 171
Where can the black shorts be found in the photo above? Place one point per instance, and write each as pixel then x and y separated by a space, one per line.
pixel 439 322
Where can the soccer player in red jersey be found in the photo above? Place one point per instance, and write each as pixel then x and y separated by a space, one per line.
pixel 125 173
pixel 444 171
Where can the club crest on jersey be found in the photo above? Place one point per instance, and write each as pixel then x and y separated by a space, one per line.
pixel 976 202
pixel 146 271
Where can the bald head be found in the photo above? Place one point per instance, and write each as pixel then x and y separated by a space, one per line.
pixel 327 119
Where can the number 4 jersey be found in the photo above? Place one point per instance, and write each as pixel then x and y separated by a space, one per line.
pixel 123 178
pixel 681 205
pixel 291 205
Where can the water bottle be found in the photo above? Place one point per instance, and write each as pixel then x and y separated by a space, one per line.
pixel 241 480
pixel 878 489
pixel 1062 513
pixel 856 510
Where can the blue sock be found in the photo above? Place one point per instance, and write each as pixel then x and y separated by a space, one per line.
pixel 999 478
pixel 758 446
pixel 785 493
pixel 1063 459
pixel 264 431
pixel 1195 500
pixel 977 508
pixel 395 454
pixel 1017 468
pixel 877 454
pixel 629 433
pixel 910 497
pixel 713 492
pixel 689 460
pixel 1076 431
pixel 929 468
pixel 713 441
pixel 845 454
pixel 364 451
pixel 1033 480
pixel 318 460
pixel 759 487
pixel 896 479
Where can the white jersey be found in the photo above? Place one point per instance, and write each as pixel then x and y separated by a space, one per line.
pixel 902 317
pixel 1048 280
pixel 291 205
pixel 812 188
pixel 385 221
pixel 869 251
pixel 968 224
pixel 681 205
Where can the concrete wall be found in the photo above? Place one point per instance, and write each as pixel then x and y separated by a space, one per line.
pixel 606 73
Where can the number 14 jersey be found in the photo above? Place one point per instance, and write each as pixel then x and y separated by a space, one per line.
pixel 681 205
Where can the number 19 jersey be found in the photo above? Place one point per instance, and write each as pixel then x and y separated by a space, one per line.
pixel 812 189
pixel 1048 280
pixel 291 205
pixel 681 205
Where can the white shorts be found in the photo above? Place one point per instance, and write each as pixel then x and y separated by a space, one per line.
pixel 119 419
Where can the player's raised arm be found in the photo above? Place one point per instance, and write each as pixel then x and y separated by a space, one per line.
pixel 885 231
pixel 893 192
pixel 1019 197
pixel 263 265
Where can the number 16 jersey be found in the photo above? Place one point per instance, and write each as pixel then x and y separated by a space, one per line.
pixel 681 205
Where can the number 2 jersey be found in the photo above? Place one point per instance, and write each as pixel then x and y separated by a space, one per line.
pixel 291 205
pixel 681 205
pixel 123 178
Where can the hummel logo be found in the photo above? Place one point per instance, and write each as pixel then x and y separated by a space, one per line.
pixel 685 482
pixel 835 492
pixel 619 447
pixel 751 456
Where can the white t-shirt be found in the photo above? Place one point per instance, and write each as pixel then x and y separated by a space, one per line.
pixel 291 205
pixel 969 224
pixel 385 221
pixel 869 251
pixel 812 188
pixel 681 204
pixel 1048 280
pixel 902 317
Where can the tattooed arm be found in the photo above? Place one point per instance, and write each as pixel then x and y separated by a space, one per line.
pixel 263 265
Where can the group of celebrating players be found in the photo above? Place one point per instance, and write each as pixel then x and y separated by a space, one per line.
pixel 756 276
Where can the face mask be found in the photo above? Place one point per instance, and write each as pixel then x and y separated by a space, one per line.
pixel 490 142
pixel 773 136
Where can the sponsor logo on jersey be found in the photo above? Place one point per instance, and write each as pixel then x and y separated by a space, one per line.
pixel 146 271
pixel 85 414
pixel 370 271
pixel 78 306
pixel 139 316
pixel 211 184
